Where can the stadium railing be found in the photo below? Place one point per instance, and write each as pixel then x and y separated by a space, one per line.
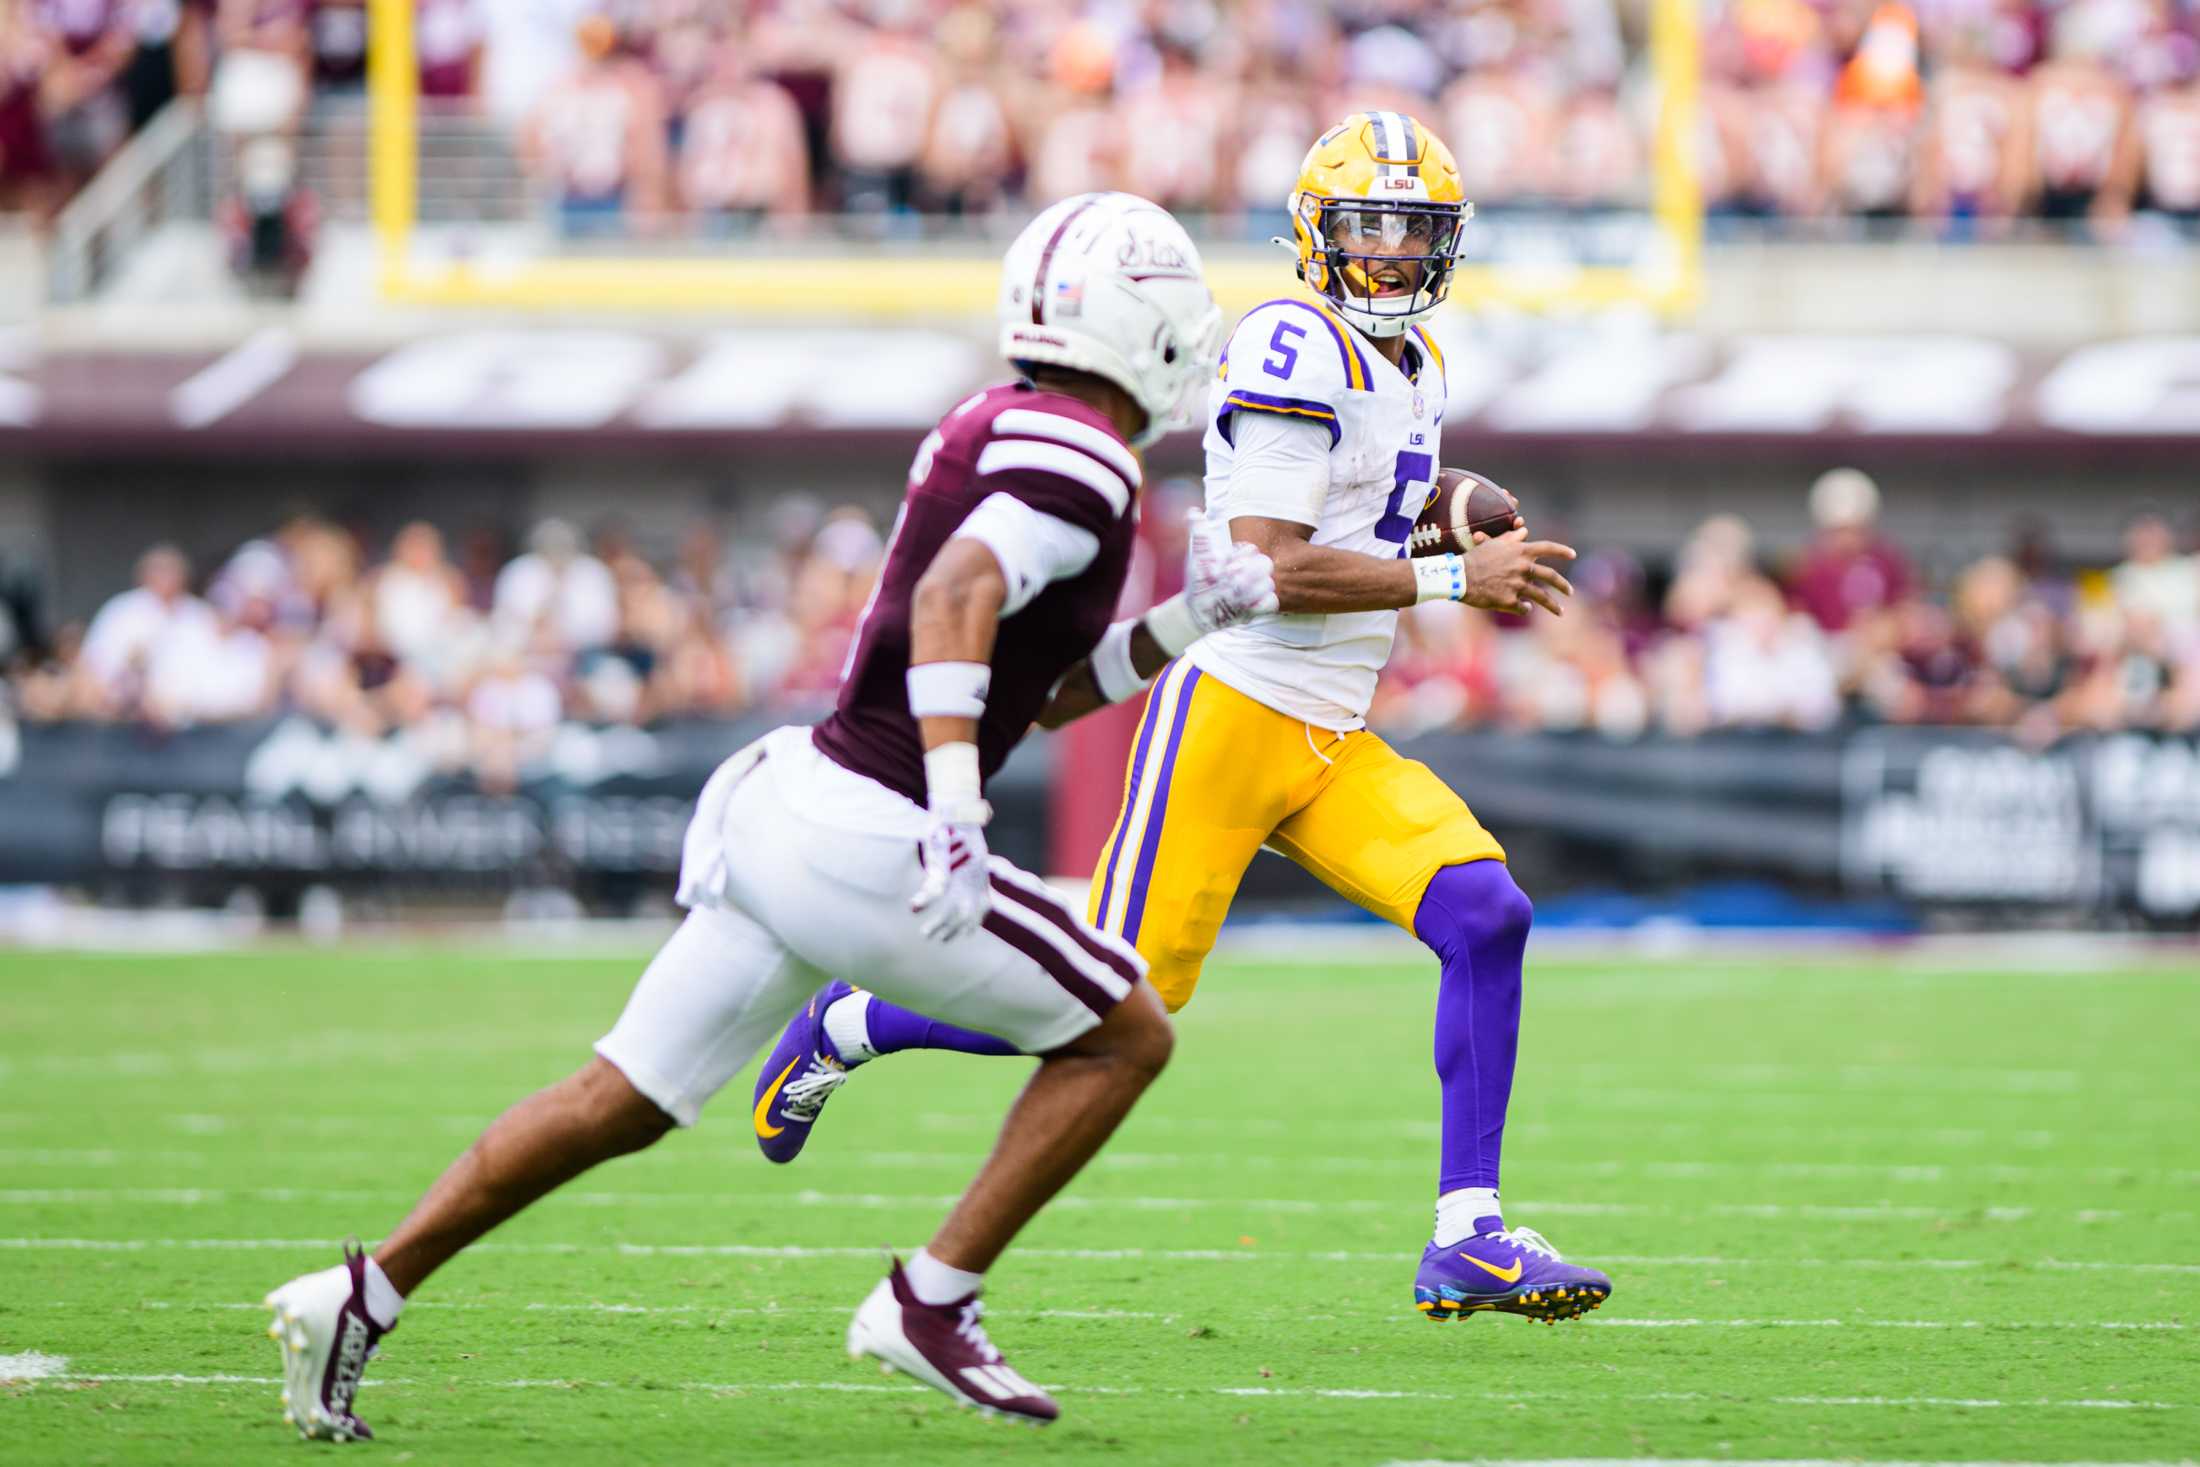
pixel 165 172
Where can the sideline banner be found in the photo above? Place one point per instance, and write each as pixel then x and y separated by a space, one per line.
pixel 284 802
pixel 2107 824
pixel 2100 828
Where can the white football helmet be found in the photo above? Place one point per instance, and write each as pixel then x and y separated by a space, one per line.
pixel 1112 285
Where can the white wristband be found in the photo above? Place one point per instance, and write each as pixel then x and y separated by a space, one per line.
pixel 1439 578
pixel 951 785
pixel 1112 671
pixel 948 689
pixel 1171 625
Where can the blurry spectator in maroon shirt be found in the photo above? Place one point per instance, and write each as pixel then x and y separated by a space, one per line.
pixel 28 178
pixel 1937 667
pixel 448 36
pixel 1848 568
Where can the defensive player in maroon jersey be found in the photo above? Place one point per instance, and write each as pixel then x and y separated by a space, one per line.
pixel 859 847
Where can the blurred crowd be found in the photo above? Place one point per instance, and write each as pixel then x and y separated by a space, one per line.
pixel 715 115
pixel 1842 631
pixel 1965 113
pixel 474 658
pixel 477 659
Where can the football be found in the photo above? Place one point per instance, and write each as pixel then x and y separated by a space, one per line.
pixel 1465 504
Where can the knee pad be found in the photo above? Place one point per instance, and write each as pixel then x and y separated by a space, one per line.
pixel 1469 906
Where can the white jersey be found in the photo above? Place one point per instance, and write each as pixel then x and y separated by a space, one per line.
pixel 1297 359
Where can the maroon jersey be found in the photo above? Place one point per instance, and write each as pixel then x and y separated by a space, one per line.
pixel 1058 456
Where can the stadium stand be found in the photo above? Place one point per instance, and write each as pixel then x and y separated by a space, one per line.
pixel 1968 120
pixel 482 657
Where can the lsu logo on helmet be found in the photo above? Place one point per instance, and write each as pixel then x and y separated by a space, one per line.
pixel 1378 218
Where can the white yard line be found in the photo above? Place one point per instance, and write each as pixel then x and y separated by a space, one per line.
pixel 1330 1393
pixel 599 1307
pixel 1168 1255
pixel 876 1201
pixel 1905 1173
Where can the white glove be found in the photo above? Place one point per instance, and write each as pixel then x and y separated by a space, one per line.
pixel 1226 582
pixel 956 893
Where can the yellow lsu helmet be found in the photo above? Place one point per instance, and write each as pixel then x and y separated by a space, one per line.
pixel 1378 218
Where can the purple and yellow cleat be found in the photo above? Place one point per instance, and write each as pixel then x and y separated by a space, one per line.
pixel 1511 1271
pixel 800 1075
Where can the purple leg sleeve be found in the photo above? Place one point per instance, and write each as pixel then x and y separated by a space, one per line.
pixel 1477 920
pixel 894 1029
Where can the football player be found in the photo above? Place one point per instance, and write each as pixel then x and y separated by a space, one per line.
pixel 859 847
pixel 1322 433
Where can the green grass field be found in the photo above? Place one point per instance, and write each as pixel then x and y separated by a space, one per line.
pixel 1853 1208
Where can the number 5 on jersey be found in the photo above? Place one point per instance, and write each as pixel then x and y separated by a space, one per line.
pixel 1415 477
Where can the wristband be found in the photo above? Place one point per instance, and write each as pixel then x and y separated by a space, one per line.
pixel 1439 578
pixel 948 689
pixel 1112 672
pixel 1171 625
pixel 951 787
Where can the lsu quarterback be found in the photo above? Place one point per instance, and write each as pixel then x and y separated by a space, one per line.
pixel 1322 435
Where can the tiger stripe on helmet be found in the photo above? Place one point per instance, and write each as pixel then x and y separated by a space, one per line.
pixel 1397 145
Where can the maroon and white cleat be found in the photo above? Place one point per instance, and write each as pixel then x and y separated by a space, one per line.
pixel 322 1327
pixel 945 1346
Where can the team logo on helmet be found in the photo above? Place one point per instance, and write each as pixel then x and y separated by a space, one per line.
pixel 1377 220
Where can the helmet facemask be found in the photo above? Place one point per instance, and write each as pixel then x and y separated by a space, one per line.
pixel 1387 263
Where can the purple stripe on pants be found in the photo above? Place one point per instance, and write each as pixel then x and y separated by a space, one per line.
pixel 1146 723
pixel 1152 843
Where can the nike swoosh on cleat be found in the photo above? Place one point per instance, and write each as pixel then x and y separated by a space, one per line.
pixel 1506 1275
pixel 765 1128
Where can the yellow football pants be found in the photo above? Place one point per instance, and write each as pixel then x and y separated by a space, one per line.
pixel 1214 776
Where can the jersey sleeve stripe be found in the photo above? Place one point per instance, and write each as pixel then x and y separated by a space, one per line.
pixel 1031 423
pixel 1261 402
pixel 1005 455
